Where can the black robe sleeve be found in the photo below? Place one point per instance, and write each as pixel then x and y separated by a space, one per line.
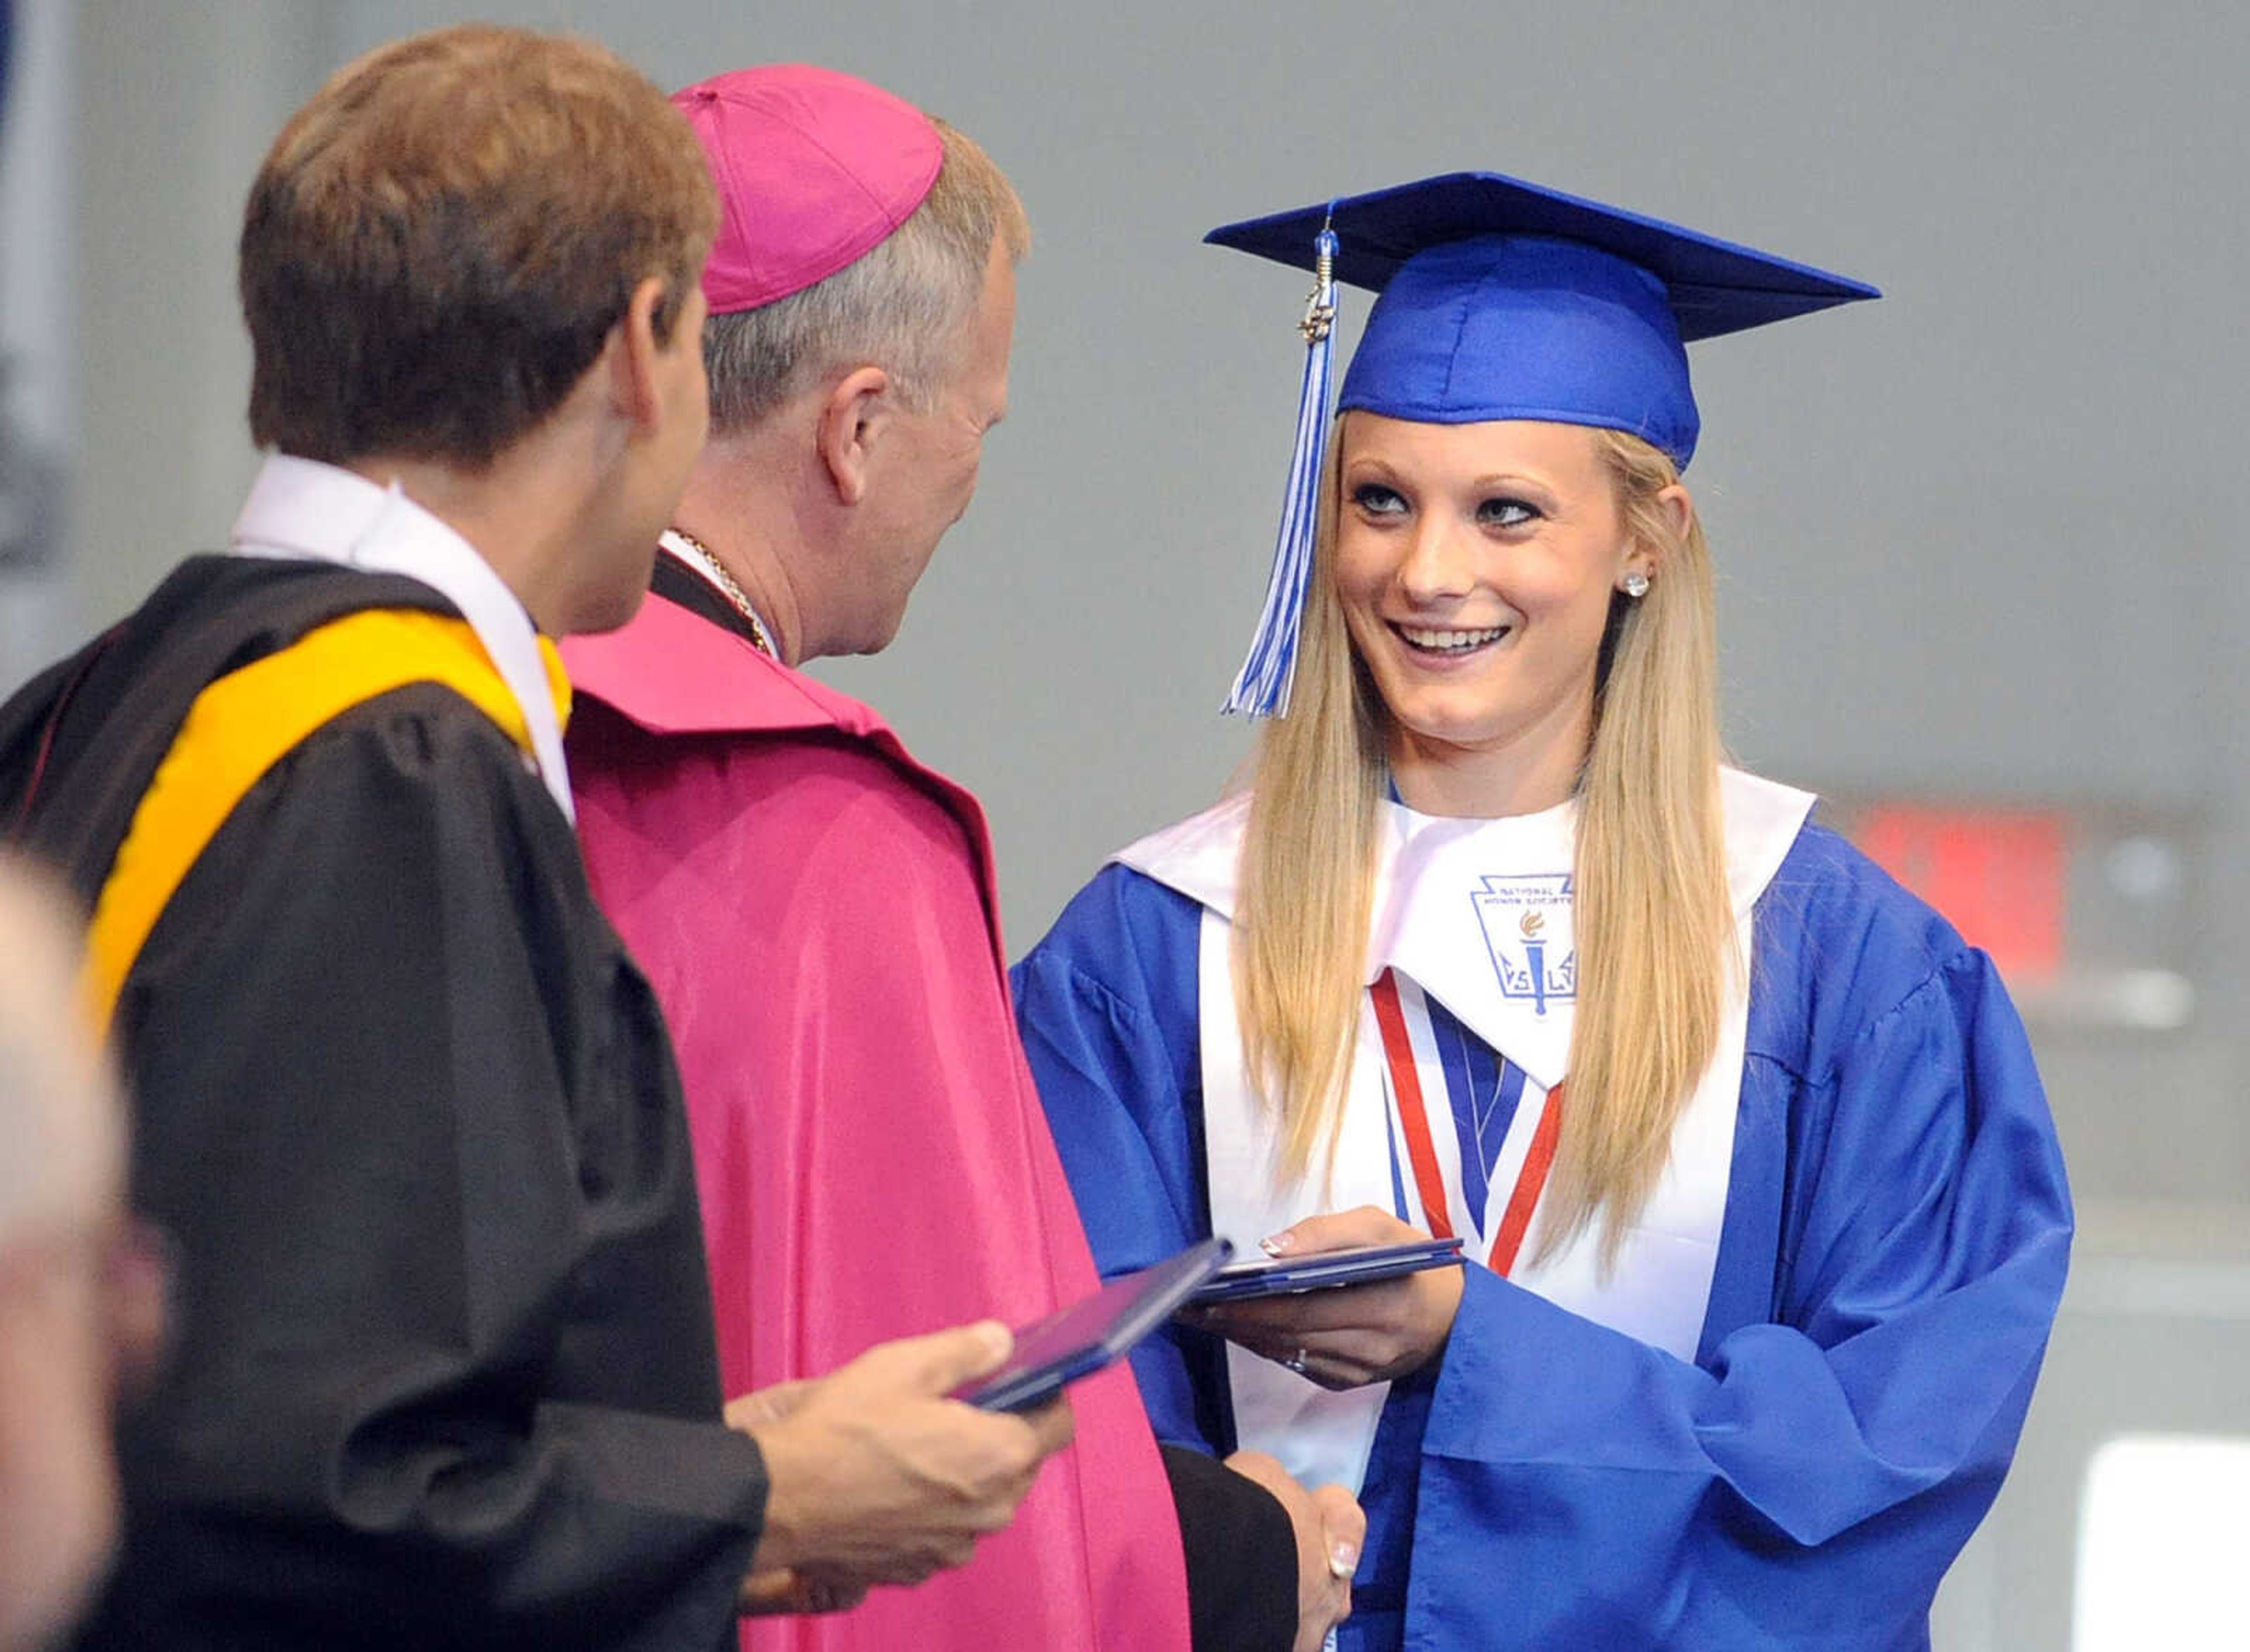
pixel 444 1373
pixel 1241 1555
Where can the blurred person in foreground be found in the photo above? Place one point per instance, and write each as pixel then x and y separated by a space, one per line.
pixel 82 1287
pixel 817 911
pixel 81 1290
pixel 445 1373
pixel 1765 1211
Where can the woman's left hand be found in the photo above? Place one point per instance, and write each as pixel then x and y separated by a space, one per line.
pixel 1348 1335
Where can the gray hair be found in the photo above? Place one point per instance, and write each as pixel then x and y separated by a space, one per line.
pixel 902 305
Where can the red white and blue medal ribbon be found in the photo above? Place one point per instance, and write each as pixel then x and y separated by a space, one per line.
pixel 1526 1154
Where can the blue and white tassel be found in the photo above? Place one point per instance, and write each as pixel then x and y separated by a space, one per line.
pixel 1261 688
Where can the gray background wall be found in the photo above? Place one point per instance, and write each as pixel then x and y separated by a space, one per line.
pixel 1975 540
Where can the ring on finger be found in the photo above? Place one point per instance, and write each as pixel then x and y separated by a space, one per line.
pixel 1296 1361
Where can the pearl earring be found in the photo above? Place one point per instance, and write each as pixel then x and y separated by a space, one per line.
pixel 1636 585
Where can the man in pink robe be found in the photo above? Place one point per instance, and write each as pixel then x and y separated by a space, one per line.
pixel 817 911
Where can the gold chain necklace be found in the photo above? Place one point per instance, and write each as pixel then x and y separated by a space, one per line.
pixel 761 638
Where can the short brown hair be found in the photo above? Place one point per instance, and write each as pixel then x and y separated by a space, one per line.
pixel 904 305
pixel 439 242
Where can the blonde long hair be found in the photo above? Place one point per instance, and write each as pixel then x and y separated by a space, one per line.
pixel 1652 918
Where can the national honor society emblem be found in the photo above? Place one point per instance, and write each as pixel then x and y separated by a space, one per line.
pixel 1527 930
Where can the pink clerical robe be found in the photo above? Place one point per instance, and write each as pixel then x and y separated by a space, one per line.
pixel 816 913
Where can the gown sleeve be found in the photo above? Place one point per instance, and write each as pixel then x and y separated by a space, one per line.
pixel 1808 1482
pixel 444 1370
pixel 1106 1004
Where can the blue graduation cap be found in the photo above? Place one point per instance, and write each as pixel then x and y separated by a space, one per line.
pixel 1499 300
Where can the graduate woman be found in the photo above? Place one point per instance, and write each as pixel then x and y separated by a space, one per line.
pixel 1766 1215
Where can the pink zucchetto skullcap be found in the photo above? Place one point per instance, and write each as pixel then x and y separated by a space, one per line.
pixel 814 168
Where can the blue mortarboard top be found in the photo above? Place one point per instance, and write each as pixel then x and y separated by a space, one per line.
pixel 1500 299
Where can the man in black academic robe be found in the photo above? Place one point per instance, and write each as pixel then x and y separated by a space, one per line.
pixel 383 997
pixel 444 1372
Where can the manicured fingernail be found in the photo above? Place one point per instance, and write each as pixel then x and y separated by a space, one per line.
pixel 1279 1245
pixel 1344 1560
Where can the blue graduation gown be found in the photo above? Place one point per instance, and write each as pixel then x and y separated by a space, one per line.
pixel 1897 1229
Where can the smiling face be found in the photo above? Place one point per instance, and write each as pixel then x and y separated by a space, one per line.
pixel 1476 565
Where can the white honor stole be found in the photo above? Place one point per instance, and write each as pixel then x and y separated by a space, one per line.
pixel 300 509
pixel 1476 915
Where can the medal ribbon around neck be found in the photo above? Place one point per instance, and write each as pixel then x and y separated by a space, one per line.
pixel 1421 1149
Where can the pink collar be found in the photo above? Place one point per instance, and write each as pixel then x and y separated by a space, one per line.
pixel 674 673
pixel 671 672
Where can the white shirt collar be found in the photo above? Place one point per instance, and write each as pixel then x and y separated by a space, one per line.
pixel 302 509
